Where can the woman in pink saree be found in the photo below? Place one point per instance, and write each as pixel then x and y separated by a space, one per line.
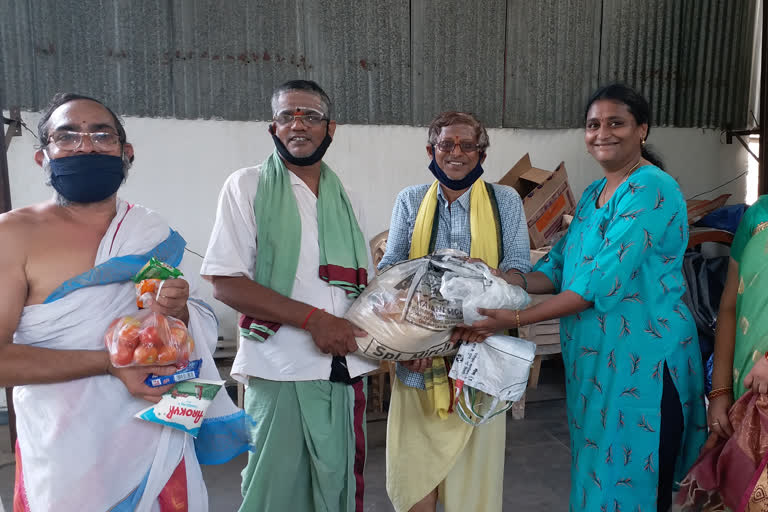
pixel 731 473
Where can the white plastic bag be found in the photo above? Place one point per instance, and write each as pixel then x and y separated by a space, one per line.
pixel 475 287
pixel 406 315
pixel 490 376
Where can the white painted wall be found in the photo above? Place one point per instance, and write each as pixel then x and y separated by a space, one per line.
pixel 181 165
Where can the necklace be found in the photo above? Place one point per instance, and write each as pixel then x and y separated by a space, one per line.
pixel 626 175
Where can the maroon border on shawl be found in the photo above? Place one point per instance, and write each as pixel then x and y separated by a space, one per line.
pixel 119 224
pixel 359 465
pixel 353 276
pixel 246 321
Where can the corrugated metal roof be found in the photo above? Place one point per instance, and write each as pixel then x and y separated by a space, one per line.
pixel 16 55
pixel 226 57
pixel 690 58
pixel 515 63
pixel 360 53
pixel 458 58
pixel 105 49
pixel 551 65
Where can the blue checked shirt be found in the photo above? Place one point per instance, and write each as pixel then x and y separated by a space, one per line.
pixel 453 233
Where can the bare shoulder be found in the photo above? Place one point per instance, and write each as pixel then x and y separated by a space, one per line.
pixel 22 219
pixel 18 230
pixel 20 225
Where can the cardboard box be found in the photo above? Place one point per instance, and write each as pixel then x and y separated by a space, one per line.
pixel 537 254
pixel 547 196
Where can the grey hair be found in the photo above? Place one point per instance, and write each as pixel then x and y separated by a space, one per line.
pixel 302 85
pixel 61 98
pixel 451 118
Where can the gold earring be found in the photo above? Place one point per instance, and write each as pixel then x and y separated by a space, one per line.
pixel 642 141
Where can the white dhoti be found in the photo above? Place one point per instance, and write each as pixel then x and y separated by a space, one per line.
pixel 81 447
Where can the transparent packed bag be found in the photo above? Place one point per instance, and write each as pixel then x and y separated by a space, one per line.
pixel 410 309
pixel 147 338
pixel 490 376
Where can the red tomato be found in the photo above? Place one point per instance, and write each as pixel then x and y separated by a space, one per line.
pixel 149 336
pixel 178 336
pixel 111 328
pixel 167 355
pixel 128 341
pixel 145 355
pixel 128 334
pixel 123 356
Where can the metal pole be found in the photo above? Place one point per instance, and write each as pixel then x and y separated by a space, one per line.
pixel 5 186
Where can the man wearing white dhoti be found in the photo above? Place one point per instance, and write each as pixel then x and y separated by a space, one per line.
pixel 65 269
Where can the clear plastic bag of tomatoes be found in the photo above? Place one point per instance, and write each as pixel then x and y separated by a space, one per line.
pixel 148 339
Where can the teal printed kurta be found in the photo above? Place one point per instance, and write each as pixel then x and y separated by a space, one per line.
pixel 626 258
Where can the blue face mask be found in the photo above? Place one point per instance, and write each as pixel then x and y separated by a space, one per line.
pixel 461 184
pixel 87 178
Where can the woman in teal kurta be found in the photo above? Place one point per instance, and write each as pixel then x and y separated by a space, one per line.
pixel 626 259
pixel 634 378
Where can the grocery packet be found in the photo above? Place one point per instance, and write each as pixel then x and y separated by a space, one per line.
pixel 184 406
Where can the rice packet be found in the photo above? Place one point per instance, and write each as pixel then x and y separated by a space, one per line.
pixel 184 406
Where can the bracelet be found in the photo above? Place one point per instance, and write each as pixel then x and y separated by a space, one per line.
pixel 311 312
pixel 525 282
pixel 517 317
pixel 719 392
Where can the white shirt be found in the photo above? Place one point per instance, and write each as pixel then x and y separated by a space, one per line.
pixel 290 354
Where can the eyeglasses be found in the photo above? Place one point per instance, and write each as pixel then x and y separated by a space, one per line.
pixel 308 117
pixel 70 141
pixel 446 146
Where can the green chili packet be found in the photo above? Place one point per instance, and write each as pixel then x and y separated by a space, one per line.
pixel 156 269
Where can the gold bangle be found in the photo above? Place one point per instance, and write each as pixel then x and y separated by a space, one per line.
pixel 517 317
pixel 719 392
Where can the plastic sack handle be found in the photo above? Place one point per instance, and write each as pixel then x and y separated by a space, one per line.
pixel 466 408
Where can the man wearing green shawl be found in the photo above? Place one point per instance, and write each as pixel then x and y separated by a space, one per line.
pixel 288 253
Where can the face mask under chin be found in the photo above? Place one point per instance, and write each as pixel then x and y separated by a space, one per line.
pixel 461 184
pixel 305 161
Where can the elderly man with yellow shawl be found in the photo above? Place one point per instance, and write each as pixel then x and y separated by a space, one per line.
pixel 431 453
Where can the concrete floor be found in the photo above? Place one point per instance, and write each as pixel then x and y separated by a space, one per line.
pixel 536 477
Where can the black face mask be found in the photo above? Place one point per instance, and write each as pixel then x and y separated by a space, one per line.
pixel 87 178
pixel 304 161
pixel 461 184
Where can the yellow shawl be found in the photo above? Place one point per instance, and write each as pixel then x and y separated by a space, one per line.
pixel 484 231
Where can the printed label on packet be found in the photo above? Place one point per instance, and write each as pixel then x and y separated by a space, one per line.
pixel 184 406
pixel 191 371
